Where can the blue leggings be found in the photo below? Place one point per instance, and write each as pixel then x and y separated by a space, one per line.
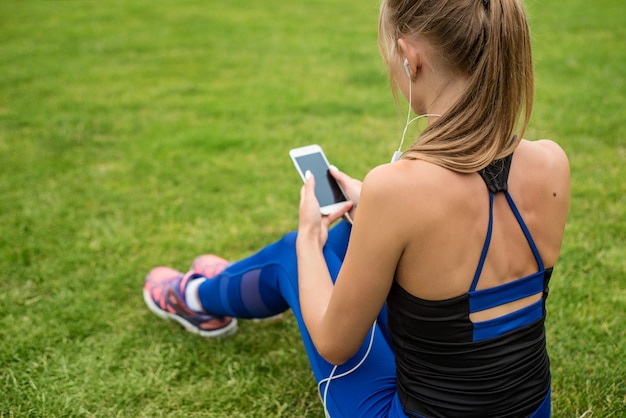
pixel 266 284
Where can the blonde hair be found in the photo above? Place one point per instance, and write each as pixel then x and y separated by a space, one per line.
pixel 487 41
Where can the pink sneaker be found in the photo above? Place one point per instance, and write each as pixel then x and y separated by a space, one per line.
pixel 164 293
pixel 208 265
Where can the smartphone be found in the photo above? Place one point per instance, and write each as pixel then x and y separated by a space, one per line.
pixel 328 192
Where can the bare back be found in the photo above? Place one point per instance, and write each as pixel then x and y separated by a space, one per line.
pixel 423 227
pixel 447 221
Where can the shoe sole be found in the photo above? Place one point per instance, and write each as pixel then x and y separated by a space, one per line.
pixel 229 329
pixel 274 318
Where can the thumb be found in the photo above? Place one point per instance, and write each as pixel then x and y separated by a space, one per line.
pixel 309 185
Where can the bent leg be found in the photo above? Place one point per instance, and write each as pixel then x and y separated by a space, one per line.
pixel 266 284
pixel 255 286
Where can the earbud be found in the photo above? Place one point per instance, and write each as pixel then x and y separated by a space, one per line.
pixel 406 68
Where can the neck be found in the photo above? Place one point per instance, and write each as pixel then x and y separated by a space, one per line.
pixel 442 95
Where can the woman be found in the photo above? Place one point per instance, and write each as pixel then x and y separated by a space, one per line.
pixel 432 303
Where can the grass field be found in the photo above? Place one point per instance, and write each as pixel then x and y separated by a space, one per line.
pixel 140 133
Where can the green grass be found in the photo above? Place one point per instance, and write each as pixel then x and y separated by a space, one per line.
pixel 140 133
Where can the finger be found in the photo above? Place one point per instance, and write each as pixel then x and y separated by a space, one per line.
pixel 309 177
pixel 309 185
pixel 336 173
pixel 308 200
pixel 340 176
pixel 339 213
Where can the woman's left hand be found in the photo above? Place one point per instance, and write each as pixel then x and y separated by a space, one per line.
pixel 312 224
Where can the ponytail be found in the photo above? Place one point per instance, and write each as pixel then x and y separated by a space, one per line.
pixel 489 42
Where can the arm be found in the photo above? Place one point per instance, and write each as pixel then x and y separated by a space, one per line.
pixel 314 281
pixel 543 193
pixel 554 200
pixel 339 317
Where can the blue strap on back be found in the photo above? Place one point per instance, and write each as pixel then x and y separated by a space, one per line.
pixel 483 254
pixel 496 178
pixel 522 225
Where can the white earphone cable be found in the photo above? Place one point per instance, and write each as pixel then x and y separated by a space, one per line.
pixel 332 373
pixel 396 155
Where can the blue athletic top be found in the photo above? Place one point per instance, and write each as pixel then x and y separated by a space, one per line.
pixel 449 366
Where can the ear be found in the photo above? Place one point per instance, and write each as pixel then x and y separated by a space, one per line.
pixel 411 52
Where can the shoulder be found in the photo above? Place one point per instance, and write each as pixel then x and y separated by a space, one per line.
pixel 543 154
pixel 541 166
pixel 414 192
pixel 540 185
pixel 406 175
